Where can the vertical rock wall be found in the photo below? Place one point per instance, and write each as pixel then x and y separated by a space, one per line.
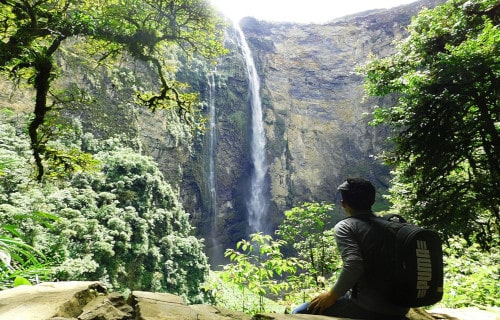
pixel 315 110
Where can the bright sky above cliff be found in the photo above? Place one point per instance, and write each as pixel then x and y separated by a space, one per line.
pixel 303 11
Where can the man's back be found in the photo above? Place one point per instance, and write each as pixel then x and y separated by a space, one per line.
pixel 359 243
pixel 352 236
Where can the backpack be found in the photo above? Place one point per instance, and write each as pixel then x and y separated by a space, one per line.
pixel 407 264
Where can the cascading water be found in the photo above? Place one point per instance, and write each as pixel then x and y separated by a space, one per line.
pixel 257 204
pixel 211 147
pixel 215 247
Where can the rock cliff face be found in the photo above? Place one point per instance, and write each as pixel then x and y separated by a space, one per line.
pixel 315 111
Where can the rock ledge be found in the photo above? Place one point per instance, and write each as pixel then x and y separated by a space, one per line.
pixel 91 301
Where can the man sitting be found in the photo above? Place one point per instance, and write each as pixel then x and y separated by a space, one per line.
pixel 355 294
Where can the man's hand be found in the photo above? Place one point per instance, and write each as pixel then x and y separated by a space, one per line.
pixel 322 302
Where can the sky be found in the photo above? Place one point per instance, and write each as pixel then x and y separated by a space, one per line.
pixel 301 11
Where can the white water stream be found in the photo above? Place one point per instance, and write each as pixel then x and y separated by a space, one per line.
pixel 257 204
pixel 211 147
pixel 216 247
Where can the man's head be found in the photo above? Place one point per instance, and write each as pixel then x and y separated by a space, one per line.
pixel 357 193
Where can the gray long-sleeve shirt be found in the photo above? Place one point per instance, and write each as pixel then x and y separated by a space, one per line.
pixel 353 272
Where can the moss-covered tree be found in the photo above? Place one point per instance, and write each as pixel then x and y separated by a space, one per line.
pixel 32 32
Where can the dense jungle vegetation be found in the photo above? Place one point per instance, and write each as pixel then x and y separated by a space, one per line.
pixel 120 222
pixel 73 207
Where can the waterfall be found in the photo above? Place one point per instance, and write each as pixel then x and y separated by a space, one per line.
pixel 214 246
pixel 257 204
pixel 211 156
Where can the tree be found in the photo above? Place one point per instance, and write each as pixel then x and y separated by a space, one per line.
pixel 32 32
pixel 446 124
pixel 125 224
pixel 258 265
pixel 309 228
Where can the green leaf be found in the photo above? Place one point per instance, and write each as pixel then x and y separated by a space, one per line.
pixel 20 281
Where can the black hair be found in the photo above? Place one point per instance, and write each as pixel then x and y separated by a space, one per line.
pixel 357 193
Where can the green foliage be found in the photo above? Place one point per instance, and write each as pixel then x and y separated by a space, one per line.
pixel 128 222
pixel 471 275
pixel 229 295
pixel 309 228
pixel 64 155
pixel 121 223
pixel 19 260
pixel 33 33
pixel 445 124
pixel 259 266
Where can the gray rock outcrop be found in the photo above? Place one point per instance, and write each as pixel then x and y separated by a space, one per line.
pixel 88 300
pixel 91 301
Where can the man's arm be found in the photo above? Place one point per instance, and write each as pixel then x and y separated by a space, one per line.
pixel 352 269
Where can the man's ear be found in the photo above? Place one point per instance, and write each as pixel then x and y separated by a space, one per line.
pixel 343 203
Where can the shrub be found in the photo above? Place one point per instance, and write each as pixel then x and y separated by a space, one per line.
pixel 471 275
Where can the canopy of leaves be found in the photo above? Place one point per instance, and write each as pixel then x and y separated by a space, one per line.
pixel 32 32
pixel 447 120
